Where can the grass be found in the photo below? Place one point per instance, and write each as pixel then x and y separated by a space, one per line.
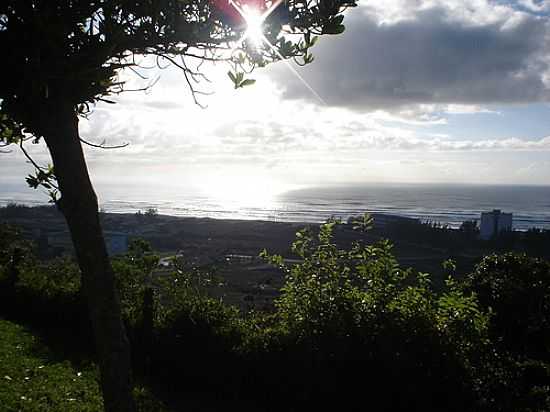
pixel 32 381
pixel 32 378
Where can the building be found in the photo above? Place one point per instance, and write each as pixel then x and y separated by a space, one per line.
pixel 493 223
pixel 116 242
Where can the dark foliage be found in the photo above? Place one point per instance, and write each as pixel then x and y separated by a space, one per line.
pixel 353 330
pixel 516 290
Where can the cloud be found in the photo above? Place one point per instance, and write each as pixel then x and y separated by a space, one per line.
pixel 438 54
pixel 263 143
pixel 438 144
pixel 536 6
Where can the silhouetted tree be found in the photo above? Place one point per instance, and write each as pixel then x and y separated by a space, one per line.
pixel 470 227
pixel 61 56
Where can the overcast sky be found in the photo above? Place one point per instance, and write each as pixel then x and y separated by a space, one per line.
pixel 413 91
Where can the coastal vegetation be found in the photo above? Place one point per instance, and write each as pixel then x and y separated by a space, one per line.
pixel 351 328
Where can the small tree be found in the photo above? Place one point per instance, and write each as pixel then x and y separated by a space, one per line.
pixel 64 55
pixel 151 213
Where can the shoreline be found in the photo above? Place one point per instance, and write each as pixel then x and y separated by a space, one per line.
pixel 312 213
pixel 519 220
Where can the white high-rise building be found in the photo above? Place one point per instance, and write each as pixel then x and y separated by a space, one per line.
pixel 493 223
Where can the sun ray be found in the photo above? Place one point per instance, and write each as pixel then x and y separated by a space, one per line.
pixel 254 32
pixel 294 71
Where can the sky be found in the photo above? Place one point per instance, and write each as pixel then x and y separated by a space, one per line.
pixel 442 91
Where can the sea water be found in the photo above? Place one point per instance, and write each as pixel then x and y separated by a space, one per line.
pixel 449 204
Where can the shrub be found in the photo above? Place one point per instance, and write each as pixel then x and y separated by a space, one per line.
pixel 43 292
pixel 352 328
pixel 194 334
pixel 516 290
pixel 356 312
pixel 151 212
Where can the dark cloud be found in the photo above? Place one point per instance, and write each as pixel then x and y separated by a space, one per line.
pixel 431 58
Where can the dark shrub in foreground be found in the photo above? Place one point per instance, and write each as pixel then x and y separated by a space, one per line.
pixel 352 331
pixel 516 290
pixel 46 294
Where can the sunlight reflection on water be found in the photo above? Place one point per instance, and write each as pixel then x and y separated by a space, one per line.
pixel 261 200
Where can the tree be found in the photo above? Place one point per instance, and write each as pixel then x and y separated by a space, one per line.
pixel 63 56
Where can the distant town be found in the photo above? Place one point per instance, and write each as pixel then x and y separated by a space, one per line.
pixel 233 246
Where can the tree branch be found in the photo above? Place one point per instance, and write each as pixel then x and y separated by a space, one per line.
pixel 29 157
pixel 102 145
pixel 191 77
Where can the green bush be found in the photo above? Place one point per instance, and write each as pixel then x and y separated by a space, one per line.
pixel 357 311
pixel 47 292
pixel 133 273
pixel 516 290
pixel 56 278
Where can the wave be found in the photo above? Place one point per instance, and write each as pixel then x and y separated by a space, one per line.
pixel 449 205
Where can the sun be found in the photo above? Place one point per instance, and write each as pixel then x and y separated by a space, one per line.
pixel 254 19
pixel 239 191
pixel 254 13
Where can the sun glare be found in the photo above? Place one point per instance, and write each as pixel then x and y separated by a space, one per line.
pixel 243 191
pixel 254 25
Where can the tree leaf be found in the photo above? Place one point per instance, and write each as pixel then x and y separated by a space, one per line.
pixel 232 77
pixel 247 82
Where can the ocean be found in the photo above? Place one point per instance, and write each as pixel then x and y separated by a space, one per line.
pixel 449 204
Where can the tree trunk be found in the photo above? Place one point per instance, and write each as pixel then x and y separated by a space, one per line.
pixel 78 203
